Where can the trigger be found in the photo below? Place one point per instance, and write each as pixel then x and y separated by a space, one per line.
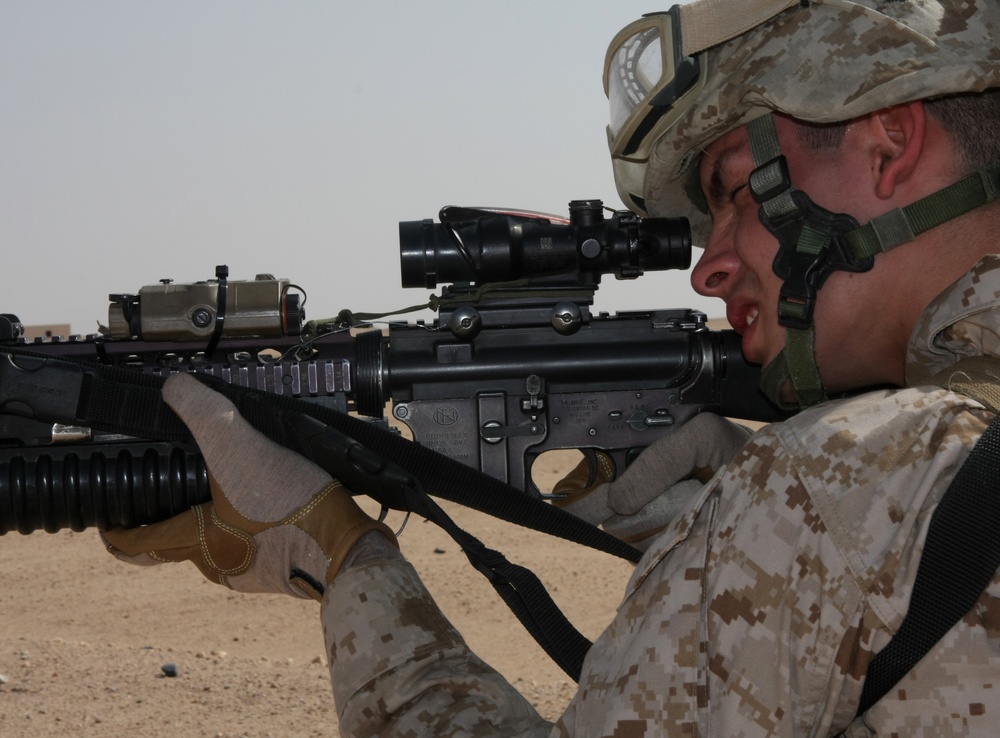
pixel 593 464
pixel 602 466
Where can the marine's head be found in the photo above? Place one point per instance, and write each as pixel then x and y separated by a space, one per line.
pixel 806 141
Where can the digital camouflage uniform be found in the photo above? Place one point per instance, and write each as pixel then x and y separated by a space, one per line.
pixel 757 611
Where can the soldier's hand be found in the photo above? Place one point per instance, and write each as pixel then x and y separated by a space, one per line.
pixel 276 523
pixel 637 505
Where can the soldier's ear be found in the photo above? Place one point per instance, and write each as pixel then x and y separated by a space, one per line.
pixel 898 137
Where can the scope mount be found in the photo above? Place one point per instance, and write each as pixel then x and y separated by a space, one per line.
pixel 465 309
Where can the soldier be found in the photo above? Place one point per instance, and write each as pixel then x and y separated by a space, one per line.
pixel 838 160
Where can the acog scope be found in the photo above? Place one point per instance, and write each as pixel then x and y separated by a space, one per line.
pixel 473 245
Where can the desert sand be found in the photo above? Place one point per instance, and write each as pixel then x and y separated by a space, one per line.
pixel 85 640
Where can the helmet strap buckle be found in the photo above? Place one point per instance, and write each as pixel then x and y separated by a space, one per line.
pixel 811 246
pixel 770 179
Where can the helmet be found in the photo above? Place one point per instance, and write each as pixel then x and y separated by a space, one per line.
pixel 678 80
pixel 681 79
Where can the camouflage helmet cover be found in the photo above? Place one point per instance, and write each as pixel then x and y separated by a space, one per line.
pixel 822 61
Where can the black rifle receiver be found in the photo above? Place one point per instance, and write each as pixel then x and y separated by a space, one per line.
pixel 514 366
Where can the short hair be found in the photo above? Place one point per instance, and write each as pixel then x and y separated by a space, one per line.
pixel 819 136
pixel 970 119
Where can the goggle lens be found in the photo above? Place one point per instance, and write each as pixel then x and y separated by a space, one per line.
pixel 646 78
pixel 636 69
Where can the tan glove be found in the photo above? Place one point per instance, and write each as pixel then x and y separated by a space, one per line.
pixel 639 504
pixel 276 523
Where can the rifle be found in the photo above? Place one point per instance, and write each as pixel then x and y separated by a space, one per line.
pixel 515 365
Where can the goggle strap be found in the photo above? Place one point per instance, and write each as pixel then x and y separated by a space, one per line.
pixel 899 226
pixel 712 22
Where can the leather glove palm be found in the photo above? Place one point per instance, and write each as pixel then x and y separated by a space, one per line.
pixel 276 523
pixel 640 503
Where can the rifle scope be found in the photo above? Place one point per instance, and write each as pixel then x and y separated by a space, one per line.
pixel 483 246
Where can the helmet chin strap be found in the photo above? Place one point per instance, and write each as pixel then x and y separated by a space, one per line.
pixel 814 242
pixel 796 364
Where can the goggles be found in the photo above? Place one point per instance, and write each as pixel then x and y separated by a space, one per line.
pixel 648 82
pixel 654 75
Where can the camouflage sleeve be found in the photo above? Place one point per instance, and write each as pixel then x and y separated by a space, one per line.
pixel 400 668
pixel 756 612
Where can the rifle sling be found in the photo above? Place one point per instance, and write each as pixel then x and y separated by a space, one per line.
pixel 962 549
pixel 961 552
pixel 125 401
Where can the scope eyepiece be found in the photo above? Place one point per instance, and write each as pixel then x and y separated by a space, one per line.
pixel 482 246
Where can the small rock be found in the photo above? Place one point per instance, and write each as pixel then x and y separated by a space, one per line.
pixel 169 670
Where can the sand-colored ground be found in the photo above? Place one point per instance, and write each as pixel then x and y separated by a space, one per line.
pixel 84 638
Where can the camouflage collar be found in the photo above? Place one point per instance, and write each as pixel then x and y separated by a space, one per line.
pixel 962 321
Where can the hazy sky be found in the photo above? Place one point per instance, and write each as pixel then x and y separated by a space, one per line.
pixel 149 140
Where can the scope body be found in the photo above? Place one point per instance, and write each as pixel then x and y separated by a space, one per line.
pixel 482 246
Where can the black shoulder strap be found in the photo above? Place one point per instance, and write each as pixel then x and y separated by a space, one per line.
pixel 124 401
pixel 961 556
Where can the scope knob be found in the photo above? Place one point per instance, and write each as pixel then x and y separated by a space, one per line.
pixel 566 318
pixel 586 212
pixel 590 249
pixel 465 322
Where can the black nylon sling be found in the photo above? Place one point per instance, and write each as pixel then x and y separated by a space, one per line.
pixel 125 401
pixel 961 556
